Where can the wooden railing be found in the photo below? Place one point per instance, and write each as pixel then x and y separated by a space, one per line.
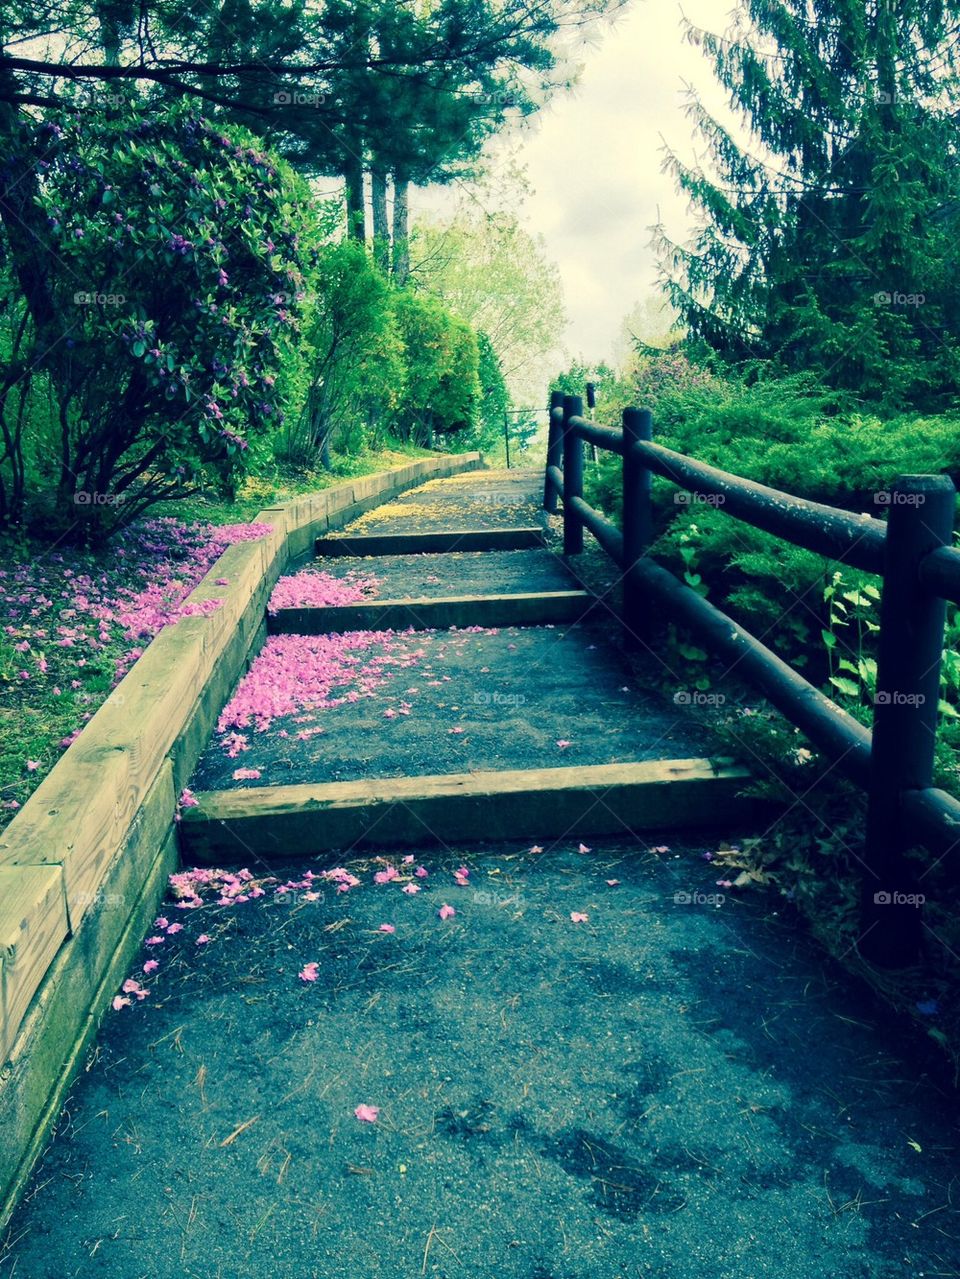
pixel 911 550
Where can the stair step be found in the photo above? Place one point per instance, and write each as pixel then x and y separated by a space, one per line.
pixel 537 804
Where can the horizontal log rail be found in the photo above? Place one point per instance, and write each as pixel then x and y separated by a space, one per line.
pixel 910 550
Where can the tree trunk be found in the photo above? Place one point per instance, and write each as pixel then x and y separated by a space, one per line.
pixel 401 229
pixel 381 227
pixel 356 210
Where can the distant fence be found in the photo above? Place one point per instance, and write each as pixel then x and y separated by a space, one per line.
pixel 911 551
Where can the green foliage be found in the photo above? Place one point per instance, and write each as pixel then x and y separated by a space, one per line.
pixel 441 369
pixel 835 251
pixel 182 259
pixel 492 273
pixel 351 355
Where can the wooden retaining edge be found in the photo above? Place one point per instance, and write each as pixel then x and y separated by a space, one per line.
pixel 71 837
pixel 438 542
pixel 437 612
pixel 231 826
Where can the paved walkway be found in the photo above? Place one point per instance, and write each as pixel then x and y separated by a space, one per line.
pixel 567 1062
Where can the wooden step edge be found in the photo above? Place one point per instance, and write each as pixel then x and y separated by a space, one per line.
pixel 440 541
pixel 277 822
pixel 520 608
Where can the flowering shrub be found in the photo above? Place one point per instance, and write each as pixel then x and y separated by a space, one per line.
pixel 184 251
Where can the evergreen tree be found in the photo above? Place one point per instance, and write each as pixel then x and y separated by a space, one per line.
pixel 829 241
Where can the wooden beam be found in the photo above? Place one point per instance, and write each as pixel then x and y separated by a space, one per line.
pixel 436 542
pixel 439 613
pixel 548 803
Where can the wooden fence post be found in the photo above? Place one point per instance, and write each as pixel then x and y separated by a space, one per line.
pixel 921 516
pixel 637 515
pixel 554 450
pixel 572 476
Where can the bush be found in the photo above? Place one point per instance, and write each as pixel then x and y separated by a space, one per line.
pixel 183 252
pixel 441 369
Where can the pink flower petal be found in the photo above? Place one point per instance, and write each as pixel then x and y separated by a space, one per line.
pixel 410 889
pixel 151 965
pixel 153 941
pixel 386 928
pixel 367 1114
pixel 563 743
pixel 613 882
pixel 446 912
pixel 578 917
pixel 536 849
pixel 421 872
pixel 583 849
pixel 120 1002
pixel 202 939
pixel 309 972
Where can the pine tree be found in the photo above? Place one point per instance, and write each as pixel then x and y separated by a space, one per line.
pixel 828 241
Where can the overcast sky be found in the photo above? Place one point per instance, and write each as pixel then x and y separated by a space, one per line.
pixel 594 159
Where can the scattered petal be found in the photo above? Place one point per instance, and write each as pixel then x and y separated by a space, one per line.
pixel 246 774
pixel 202 939
pixel 613 882
pixel 445 911
pixel 578 917
pixel 309 972
pixel 151 965
pixel 563 743
pixel 536 849
pixel 367 1114
pixel 582 848
pixel 386 928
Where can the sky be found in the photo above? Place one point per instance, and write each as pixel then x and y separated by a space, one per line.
pixel 594 160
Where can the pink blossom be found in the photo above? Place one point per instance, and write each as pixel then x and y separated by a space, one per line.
pixel 310 972
pixel 313 588
pixel 246 774
pixel 661 848
pixel 536 849
pixel 563 743
pixel 161 921
pixel 153 941
pixel 32 765
pixel 578 917
pixel 188 799
pixel 151 965
pixel 421 872
pixel 174 928
pixel 119 1001
pixel 367 1114
pixel 410 889
pixel 203 939
pixel 582 848
pixel 613 882
pixel 446 912
pixel 386 928
pixel 385 876
pixel 458 729
pixel 408 859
